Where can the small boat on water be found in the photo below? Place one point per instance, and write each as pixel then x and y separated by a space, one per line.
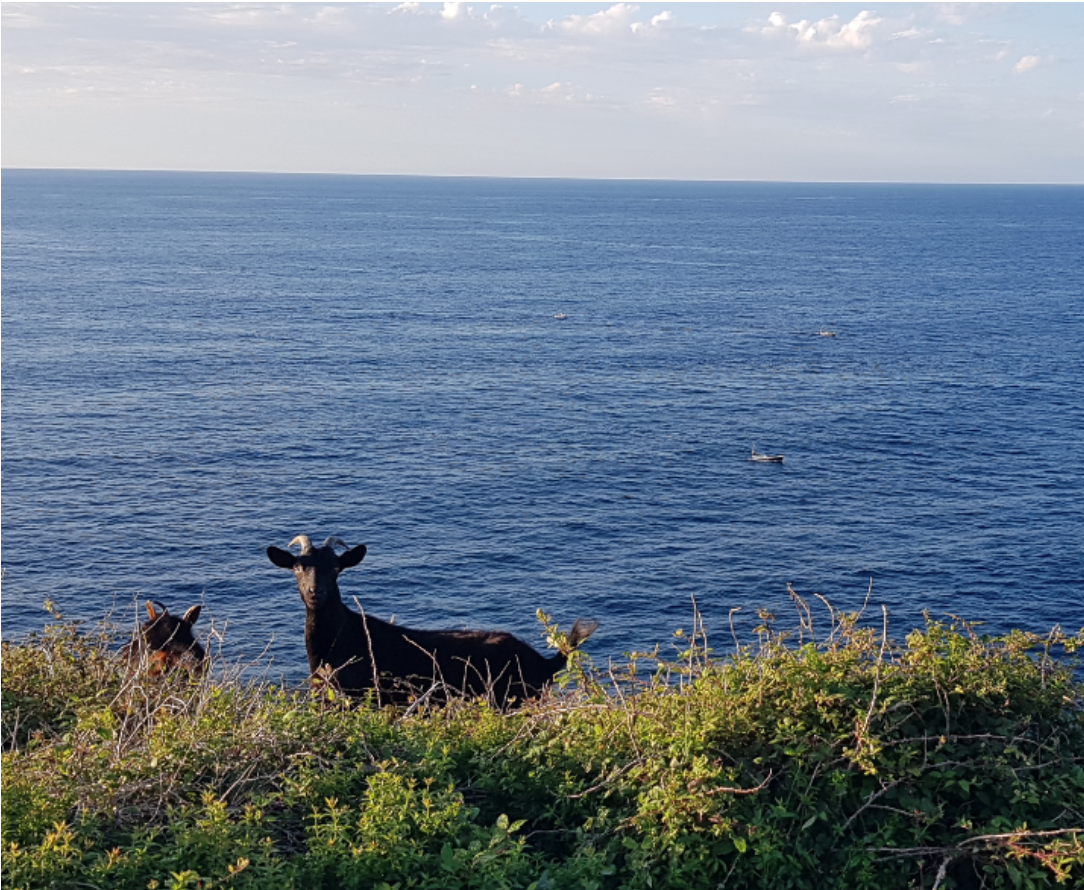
pixel 825 333
pixel 560 315
pixel 766 458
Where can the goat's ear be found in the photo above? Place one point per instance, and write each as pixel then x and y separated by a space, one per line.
pixel 192 615
pixel 151 611
pixel 284 559
pixel 352 557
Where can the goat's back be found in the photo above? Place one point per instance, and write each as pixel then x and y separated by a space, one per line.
pixel 409 661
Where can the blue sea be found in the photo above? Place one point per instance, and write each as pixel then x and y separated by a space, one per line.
pixel 196 366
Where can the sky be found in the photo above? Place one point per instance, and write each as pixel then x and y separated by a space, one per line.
pixel 899 92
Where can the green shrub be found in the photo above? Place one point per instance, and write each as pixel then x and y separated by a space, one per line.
pixel 948 760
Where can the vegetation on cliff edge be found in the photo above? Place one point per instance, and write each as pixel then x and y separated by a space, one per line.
pixel 949 759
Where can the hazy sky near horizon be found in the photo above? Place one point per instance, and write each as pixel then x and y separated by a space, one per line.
pixel 781 91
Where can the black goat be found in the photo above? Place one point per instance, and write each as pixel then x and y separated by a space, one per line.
pixel 165 642
pixel 400 663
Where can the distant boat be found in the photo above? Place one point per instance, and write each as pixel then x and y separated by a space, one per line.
pixel 560 315
pixel 766 458
pixel 825 333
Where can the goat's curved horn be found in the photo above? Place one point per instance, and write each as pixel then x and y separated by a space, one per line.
pixel 306 544
pixel 335 542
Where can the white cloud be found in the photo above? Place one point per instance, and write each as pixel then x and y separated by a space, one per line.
pixel 777 24
pixel 329 15
pixel 859 31
pixel 615 20
pixel 453 9
pixel 657 22
pixel 661 98
pixel 829 32
pixel 498 14
pixel 558 92
pixel 1026 64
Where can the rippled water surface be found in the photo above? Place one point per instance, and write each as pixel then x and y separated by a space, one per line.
pixel 196 366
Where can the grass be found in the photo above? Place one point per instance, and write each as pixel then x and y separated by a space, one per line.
pixel 851 760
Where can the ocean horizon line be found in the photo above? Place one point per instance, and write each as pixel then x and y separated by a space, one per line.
pixel 548 178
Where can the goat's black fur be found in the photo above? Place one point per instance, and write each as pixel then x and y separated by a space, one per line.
pixel 365 653
pixel 165 642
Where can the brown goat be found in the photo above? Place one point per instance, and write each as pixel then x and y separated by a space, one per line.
pixel 165 642
pixel 399 663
